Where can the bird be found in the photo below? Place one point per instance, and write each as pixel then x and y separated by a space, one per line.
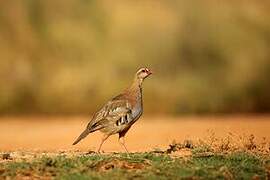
pixel 120 113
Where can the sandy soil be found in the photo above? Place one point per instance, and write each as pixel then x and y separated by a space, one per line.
pixel 58 133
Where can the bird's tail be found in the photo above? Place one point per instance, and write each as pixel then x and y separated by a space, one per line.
pixel 83 135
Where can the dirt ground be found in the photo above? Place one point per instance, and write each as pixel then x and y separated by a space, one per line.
pixel 58 133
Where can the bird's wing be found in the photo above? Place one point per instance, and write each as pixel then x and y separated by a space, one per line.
pixel 116 111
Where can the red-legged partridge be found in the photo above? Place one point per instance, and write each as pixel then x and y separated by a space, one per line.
pixel 119 114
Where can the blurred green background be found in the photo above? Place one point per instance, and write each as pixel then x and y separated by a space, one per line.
pixel 71 56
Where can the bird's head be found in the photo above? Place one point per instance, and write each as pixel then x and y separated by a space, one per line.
pixel 143 73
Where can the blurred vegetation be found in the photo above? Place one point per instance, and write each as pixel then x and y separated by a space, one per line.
pixel 69 56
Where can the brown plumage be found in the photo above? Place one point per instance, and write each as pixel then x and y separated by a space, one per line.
pixel 120 113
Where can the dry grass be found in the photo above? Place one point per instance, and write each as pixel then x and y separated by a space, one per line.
pixel 235 142
pixel 229 144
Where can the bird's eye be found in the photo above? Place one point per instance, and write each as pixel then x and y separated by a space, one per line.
pixel 143 71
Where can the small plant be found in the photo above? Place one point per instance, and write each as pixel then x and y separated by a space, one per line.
pixel 174 146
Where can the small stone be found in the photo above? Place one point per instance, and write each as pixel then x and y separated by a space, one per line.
pixel 6 156
pixel 90 152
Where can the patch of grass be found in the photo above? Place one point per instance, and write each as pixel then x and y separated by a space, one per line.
pixel 201 149
pixel 11 169
pixel 239 165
